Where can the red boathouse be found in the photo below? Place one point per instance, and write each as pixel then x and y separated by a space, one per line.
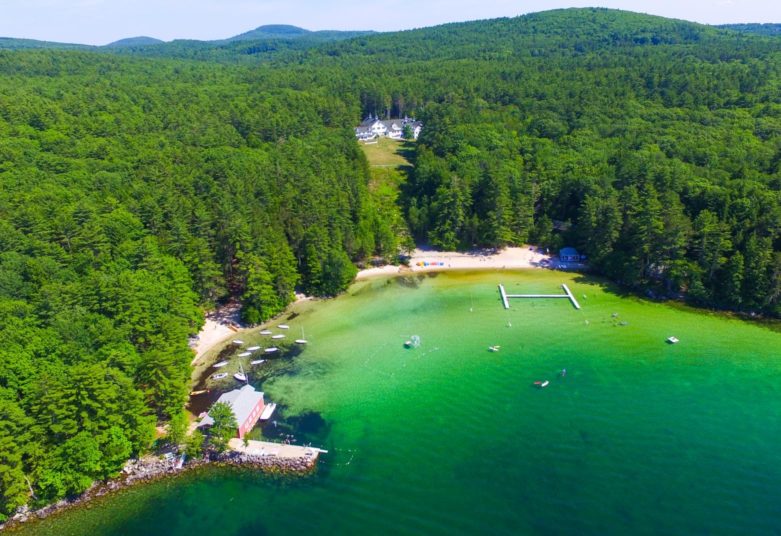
pixel 247 405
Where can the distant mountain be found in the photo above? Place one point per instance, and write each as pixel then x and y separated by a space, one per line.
pixel 285 31
pixel 11 43
pixel 269 37
pixel 271 30
pixel 135 42
pixel 755 28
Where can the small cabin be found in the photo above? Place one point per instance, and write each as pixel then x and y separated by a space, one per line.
pixel 569 255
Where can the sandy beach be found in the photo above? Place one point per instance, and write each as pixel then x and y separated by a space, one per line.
pixel 219 326
pixel 435 261
pixel 223 324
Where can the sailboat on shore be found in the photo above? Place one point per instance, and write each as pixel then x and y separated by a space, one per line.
pixel 241 376
pixel 302 340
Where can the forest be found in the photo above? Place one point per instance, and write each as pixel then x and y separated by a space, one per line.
pixel 139 189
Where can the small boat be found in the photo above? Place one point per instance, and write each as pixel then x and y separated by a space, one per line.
pixel 272 350
pixel 257 361
pixel 220 364
pixel 541 383
pixel 201 392
pixel 220 376
pixel 302 340
pixel 253 348
pixel 280 336
pixel 245 354
pixel 413 342
pixel 266 332
pixel 240 375
pixel 672 340
pixel 238 342
pixel 494 348
pixel 268 411
pixel 283 326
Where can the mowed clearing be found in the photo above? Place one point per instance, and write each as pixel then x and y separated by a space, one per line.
pixel 387 153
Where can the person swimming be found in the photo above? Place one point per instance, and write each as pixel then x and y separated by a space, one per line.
pixel 563 372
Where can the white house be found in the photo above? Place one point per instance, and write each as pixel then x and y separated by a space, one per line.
pixel 372 128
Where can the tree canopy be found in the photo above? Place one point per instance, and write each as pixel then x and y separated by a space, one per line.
pixel 139 187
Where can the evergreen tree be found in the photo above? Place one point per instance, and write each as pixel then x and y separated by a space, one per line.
pixel 224 427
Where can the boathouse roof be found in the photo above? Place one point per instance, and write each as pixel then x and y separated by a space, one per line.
pixel 242 401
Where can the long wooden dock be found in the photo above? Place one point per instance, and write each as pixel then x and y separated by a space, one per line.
pixel 568 295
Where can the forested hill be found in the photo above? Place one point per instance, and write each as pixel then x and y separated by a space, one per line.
pixel 260 42
pixel 136 191
pixel 285 31
pixel 550 33
pixel 654 142
pixel 11 43
pixel 757 29
pixel 135 42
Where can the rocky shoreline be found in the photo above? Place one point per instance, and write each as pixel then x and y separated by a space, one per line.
pixel 153 468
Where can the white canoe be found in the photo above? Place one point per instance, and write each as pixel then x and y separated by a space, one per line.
pixel 253 348
pixel 272 350
pixel 280 336
pixel 257 361
pixel 220 364
pixel 238 342
pixel 220 376
pixel 301 341
pixel 266 332
pixel 245 354
pixel 283 326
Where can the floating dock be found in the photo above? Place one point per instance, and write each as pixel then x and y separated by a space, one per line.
pixel 268 411
pixel 570 296
pixel 506 297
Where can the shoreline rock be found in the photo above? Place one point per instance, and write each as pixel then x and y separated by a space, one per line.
pixel 151 469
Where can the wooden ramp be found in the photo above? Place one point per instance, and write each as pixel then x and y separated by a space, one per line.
pixel 506 297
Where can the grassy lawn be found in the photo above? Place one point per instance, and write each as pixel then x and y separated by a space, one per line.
pixel 387 153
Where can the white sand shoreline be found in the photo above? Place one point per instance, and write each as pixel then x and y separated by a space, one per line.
pixel 436 261
pixel 219 326
pixel 223 324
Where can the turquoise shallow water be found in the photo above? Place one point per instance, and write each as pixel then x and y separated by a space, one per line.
pixel 639 437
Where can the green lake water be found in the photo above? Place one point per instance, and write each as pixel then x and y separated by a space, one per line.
pixel 639 437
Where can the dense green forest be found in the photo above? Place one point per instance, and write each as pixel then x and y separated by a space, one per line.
pixel 135 194
pixel 138 191
pixel 759 29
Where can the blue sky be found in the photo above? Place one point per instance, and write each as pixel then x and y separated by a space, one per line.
pixel 103 21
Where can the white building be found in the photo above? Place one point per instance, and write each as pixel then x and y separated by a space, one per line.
pixel 373 128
